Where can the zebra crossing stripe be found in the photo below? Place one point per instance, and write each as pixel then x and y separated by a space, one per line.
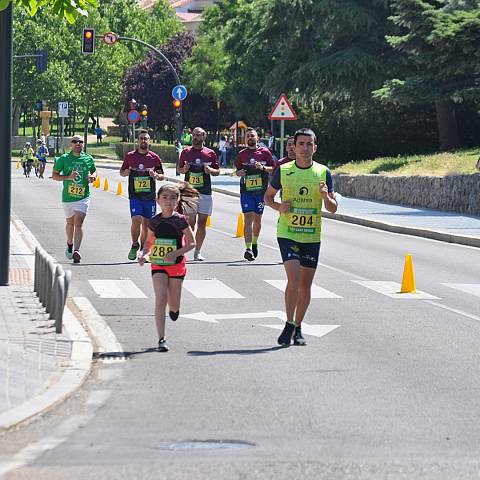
pixel 116 289
pixel 392 290
pixel 317 292
pixel 210 288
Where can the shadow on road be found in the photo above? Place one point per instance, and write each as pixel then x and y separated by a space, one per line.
pixel 254 351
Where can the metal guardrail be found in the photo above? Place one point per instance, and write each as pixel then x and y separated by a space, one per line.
pixel 51 284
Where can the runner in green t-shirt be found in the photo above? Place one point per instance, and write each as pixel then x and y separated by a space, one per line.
pixel 77 170
pixel 305 187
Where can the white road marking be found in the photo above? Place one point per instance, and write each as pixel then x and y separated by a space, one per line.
pixel 116 289
pixel 214 317
pixel 105 339
pixel 308 329
pixel 455 310
pixel 210 288
pixel 317 292
pixel 392 290
pixel 471 288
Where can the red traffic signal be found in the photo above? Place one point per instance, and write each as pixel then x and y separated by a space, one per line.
pixel 177 103
pixel 88 40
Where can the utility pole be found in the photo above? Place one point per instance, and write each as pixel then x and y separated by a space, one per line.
pixel 6 54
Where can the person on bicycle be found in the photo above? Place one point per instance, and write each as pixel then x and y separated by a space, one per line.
pixel 28 156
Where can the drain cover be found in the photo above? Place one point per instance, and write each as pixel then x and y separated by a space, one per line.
pixel 204 445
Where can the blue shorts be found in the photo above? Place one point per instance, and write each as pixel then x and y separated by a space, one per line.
pixel 143 208
pixel 252 202
pixel 306 253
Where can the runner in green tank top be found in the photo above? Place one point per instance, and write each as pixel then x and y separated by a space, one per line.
pixel 76 169
pixel 305 187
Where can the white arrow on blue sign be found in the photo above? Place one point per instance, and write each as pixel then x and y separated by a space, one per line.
pixel 179 92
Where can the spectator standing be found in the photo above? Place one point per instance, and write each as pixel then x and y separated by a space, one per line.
pixel 222 148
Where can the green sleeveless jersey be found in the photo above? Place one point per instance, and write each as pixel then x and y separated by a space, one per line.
pixel 302 187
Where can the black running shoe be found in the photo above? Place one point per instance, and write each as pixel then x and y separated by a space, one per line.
pixel 163 345
pixel 174 315
pixel 248 255
pixel 76 256
pixel 255 250
pixel 298 338
pixel 285 337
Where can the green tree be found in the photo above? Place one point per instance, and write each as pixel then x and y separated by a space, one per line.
pixel 92 82
pixel 441 40
pixel 70 10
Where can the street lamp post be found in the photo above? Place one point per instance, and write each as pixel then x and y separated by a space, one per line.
pixel 5 137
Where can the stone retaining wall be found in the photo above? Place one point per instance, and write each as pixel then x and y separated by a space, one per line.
pixel 458 193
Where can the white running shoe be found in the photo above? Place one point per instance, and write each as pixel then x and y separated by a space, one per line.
pixel 198 257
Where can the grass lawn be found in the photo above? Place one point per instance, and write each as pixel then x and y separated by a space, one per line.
pixel 443 163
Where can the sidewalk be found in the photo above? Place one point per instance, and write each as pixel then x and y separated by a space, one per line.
pixel 38 367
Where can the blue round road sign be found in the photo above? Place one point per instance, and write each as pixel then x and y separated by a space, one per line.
pixel 133 116
pixel 179 92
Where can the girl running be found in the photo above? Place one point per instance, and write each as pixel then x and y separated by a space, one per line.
pixel 169 238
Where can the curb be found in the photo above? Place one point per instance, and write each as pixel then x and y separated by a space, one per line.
pixel 71 377
pixel 417 232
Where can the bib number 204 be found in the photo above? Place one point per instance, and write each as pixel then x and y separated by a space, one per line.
pixel 302 220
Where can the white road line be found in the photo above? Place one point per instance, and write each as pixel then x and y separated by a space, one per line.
pixel 105 339
pixel 471 288
pixel 317 291
pixel 210 288
pixel 392 290
pixel 309 329
pixel 116 289
pixel 455 310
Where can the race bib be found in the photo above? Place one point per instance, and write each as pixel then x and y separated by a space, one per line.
pixel 76 190
pixel 196 179
pixel 160 248
pixel 303 220
pixel 141 184
pixel 253 182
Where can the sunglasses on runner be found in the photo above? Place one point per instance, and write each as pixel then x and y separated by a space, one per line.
pixel 77 141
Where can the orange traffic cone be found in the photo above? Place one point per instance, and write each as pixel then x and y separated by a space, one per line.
pixel 105 185
pixel 119 188
pixel 240 226
pixel 408 280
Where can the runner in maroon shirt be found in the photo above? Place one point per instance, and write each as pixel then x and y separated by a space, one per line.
pixel 253 165
pixel 290 148
pixel 142 167
pixel 198 163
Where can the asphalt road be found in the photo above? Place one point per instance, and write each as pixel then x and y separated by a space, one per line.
pixel 389 390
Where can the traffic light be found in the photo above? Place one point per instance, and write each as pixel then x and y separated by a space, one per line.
pixel 144 115
pixel 42 59
pixel 177 104
pixel 88 41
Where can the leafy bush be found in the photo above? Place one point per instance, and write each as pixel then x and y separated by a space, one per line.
pixel 167 153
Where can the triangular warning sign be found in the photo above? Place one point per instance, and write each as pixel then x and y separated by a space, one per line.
pixel 282 110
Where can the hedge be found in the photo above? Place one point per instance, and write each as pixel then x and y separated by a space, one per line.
pixel 167 153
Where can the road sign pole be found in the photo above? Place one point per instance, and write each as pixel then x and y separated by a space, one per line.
pixel 62 143
pixel 282 134
pixel 133 131
pixel 5 137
